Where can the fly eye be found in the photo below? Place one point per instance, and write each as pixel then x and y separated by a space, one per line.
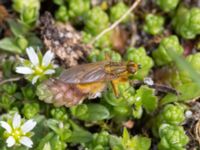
pixel 131 69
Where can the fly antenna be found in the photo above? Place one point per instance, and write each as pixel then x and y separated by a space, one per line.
pixel 160 87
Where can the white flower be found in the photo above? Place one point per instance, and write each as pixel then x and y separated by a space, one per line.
pixel 37 66
pixel 18 133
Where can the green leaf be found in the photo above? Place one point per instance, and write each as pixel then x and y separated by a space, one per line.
pixel 126 136
pixel 140 143
pixel 17 28
pixel 8 44
pixel 34 41
pixel 79 135
pixel 169 98
pixel 53 124
pixel 44 140
pixel 95 112
pixel 184 65
pixel 189 91
pixel 149 100
pixel 115 142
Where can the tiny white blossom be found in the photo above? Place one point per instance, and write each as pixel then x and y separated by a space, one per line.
pixel 47 58
pixel 24 70
pixel 18 133
pixel 37 66
pixel 32 55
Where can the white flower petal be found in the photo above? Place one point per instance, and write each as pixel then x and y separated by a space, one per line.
pixel 16 121
pixel 6 126
pixel 32 55
pixel 10 141
pixel 48 56
pixel 24 70
pixel 28 126
pixel 49 71
pixel 26 141
pixel 34 80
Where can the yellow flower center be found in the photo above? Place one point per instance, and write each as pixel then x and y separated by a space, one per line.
pixel 39 70
pixel 17 133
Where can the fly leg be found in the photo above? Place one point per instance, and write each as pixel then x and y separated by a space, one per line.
pixel 115 88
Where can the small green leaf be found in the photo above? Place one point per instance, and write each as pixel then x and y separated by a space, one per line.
pixel 8 44
pixel 149 100
pixel 17 28
pixel 95 112
pixel 79 135
pixel 168 99
pixel 115 142
pixel 34 41
pixel 126 136
pixel 140 143
pixel 189 91
pixel 44 140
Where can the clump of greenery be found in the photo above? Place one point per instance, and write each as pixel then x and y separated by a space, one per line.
pixel 28 10
pixel 153 24
pixel 117 11
pixel 100 55
pixel 62 14
pixel 71 10
pixel 167 5
pixel 78 8
pixel 186 22
pixel 161 55
pixel 169 135
pixel 96 21
pixel 133 112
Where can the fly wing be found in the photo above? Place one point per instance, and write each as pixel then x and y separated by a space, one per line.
pixel 86 73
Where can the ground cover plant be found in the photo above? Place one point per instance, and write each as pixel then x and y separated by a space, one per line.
pixel 99 74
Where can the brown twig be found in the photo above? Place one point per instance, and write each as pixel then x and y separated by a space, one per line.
pixel 10 80
pixel 135 4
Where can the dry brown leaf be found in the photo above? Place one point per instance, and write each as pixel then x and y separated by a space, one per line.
pixel 63 40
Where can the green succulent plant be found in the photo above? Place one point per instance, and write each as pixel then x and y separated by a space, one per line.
pixel 186 22
pixel 167 5
pixel 161 55
pixel 153 24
